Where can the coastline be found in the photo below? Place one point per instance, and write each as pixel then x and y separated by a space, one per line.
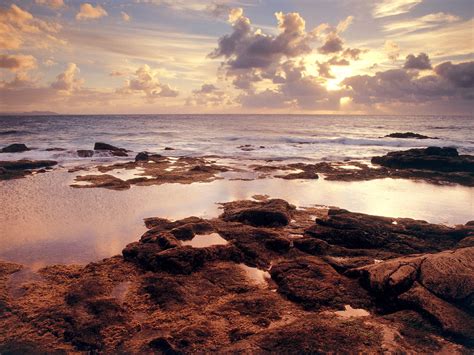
pixel 263 274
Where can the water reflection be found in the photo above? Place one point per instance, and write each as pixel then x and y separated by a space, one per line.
pixel 205 240
pixel 43 220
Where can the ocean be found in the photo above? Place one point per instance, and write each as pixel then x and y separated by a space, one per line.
pixel 279 137
pixel 45 221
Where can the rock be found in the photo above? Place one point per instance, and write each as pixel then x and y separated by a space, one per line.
pixel 169 148
pixel 408 135
pixel 441 285
pixel 451 319
pixel 25 164
pixel 431 158
pixel 120 152
pixel 400 236
pixel 271 213
pixel 142 156
pixel 83 153
pixel 314 284
pixel 15 148
pixel 105 181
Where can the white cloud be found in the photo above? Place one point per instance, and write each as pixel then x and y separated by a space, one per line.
pixel 393 7
pixel 125 16
pixel 55 4
pixel 420 23
pixel 17 62
pixel 89 12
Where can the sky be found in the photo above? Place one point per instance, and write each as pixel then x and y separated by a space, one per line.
pixel 237 56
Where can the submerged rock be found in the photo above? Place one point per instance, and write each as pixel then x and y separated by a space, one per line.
pixel 408 135
pixel 15 148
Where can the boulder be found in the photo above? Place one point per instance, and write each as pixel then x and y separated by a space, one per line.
pixel 83 153
pixel 431 158
pixel 120 152
pixel 271 213
pixel 15 148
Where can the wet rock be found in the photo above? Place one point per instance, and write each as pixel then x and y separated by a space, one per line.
pixel 15 148
pixel 431 158
pixel 164 346
pixel 441 285
pixel 321 335
pixel 120 152
pixel 189 230
pixel 169 148
pixel 271 213
pixel 25 164
pixel 182 260
pixel 314 284
pixel 142 156
pixel 83 153
pixel 399 236
pixel 21 168
pixel 105 181
pixel 408 135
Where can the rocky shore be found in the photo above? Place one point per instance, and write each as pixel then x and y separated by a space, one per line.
pixel 262 277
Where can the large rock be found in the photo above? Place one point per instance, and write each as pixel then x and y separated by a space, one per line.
pixel 394 235
pixel 431 158
pixel 271 213
pixel 440 285
pixel 15 148
pixel 314 284
pixel 120 152
pixel 25 164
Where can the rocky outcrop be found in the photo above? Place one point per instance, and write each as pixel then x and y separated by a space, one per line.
pixel 431 158
pixel 408 135
pixel 394 235
pixel 440 285
pixel 277 288
pixel 15 148
pixel 21 168
pixel 271 213
pixel 119 152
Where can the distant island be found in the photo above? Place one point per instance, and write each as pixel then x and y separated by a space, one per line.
pixel 31 113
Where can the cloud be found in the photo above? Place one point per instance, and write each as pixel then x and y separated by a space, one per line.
pixel 420 23
pixel 67 82
pixel 393 7
pixel 208 95
pixel 125 16
pixel 460 75
pixel 420 62
pixel 247 48
pixel 325 70
pixel 145 81
pixel 89 12
pixel 450 82
pixel 18 26
pixel 333 42
pixel 17 62
pixel 338 61
pixel 391 49
pixel 55 4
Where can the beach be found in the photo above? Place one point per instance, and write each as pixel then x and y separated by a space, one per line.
pixel 234 233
